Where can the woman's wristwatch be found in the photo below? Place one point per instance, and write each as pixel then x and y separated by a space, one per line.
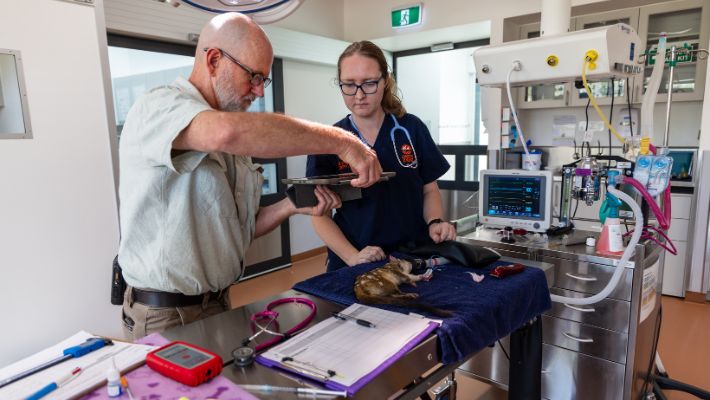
pixel 439 221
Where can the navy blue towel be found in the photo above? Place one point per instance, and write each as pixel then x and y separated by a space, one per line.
pixel 483 312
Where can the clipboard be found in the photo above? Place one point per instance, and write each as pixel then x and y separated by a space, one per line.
pixel 345 356
pixel 301 190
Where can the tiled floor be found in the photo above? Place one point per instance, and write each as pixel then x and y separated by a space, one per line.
pixel 684 345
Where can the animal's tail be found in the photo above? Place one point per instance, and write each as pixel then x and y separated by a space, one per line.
pixel 403 302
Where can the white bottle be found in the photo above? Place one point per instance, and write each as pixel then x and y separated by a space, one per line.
pixel 113 381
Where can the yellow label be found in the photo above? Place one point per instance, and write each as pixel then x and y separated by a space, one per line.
pixel 645 144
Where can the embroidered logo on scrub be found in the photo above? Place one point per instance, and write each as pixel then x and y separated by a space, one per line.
pixel 342 165
pixel 407 154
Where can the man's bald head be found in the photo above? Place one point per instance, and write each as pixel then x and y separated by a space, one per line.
pixel 235 33
pixel 232 49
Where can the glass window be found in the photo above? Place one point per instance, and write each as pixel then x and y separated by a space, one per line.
pixel 134 72
pixel 440 88
pixel 14 117
pixel 450 175
pixel 597 24
pixel 683 28
pixel 603 89
pixel 271 180
pixel 544 92
pixel 474 165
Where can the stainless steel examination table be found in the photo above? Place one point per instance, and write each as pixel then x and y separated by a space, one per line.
pixel 599 351
pixel 408 378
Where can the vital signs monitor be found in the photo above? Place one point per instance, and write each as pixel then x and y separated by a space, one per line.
pixel 516 198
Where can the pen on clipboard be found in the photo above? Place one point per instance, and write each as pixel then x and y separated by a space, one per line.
pixel 359 321
pixel 77 351
pixel 69 377
pixel 299 390
pixel 55 385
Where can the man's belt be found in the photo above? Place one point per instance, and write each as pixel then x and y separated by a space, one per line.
pixel 167 299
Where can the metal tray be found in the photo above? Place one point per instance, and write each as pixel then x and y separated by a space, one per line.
pixel 337 179
pixel 301 190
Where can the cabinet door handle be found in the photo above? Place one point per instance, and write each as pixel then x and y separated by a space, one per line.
pixel 580 309
pixel 582 278
pixel 578 339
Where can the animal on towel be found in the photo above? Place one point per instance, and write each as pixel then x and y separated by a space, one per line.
pixel 381 286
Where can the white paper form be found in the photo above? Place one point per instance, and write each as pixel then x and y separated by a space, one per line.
pixel 126 355
pixel 348 349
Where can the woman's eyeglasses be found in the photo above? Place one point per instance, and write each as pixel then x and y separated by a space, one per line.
pixel 368 87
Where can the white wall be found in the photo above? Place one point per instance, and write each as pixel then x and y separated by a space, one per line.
pixel 436 15
pixel 700 269
pixel 317 17
pixel 309 93
pixel 59 229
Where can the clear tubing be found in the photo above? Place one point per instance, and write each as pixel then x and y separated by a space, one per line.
pixel 516 67
pixel 649 99
pixel 621 266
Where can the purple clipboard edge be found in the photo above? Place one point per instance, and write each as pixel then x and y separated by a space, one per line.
pixel 367 378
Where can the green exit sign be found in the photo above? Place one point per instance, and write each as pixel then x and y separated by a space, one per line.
pixel 408 16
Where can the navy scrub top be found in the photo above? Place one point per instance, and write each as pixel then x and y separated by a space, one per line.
pixel 389 213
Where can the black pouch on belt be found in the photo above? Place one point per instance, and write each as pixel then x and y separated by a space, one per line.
pixel 118 285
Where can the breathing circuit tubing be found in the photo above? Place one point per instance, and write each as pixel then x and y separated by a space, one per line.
pixel 515 67
pixel 621 266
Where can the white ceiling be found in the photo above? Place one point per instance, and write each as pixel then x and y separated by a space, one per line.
pixel 414 40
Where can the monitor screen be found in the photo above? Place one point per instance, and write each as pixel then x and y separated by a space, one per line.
pixel 517 198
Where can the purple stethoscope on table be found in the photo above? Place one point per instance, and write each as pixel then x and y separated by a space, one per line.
pixel 244 355
pixel 407 156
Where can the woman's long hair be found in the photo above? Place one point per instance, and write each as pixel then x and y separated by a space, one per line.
pixel 391 103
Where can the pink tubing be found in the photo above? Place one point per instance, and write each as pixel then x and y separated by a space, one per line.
pixel 664 218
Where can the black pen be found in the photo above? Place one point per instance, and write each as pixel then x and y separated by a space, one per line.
pixel 350 317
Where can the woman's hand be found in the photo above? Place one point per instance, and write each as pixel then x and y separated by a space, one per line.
pixel 367 255
pixel 442 231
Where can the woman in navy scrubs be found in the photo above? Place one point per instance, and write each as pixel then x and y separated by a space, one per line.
pixel 408 207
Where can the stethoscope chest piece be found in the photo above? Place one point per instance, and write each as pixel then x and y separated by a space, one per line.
pixel 243 356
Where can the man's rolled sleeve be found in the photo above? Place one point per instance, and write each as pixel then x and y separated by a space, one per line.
pixel 167 112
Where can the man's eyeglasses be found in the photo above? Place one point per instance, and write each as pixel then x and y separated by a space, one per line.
pixel 368 87
pixel 256 79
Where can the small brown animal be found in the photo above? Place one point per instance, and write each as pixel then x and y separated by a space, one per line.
pixel 381 286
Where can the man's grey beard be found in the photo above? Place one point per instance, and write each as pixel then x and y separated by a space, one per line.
pixel 227 99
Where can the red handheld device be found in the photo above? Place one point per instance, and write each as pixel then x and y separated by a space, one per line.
pixel 185 363
pixel 502 271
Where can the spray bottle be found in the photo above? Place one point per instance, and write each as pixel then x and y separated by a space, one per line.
pixel 610 240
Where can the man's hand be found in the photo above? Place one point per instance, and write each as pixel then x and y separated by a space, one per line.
pixel 362 160
pixel 366 255
pixel 327 201
pixel 442 231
